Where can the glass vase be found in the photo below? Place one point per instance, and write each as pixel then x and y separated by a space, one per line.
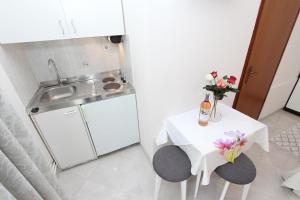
pixel 215 116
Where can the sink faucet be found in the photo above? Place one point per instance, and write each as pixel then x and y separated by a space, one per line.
pixel 51 64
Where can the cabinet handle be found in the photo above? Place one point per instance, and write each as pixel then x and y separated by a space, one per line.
pixel 61 27
pixel 70 112
pixel 73 26
pixel 250 72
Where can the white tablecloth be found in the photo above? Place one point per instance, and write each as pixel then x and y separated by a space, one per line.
pixel 198 141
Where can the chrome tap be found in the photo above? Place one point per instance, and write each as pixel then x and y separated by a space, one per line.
pixel 51 64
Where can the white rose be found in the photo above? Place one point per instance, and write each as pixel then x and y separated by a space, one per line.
pixel 209 77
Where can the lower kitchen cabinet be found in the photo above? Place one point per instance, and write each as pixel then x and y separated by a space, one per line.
pixel 113 123
pixel 65 133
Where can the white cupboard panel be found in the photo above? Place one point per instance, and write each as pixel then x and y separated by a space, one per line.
pixel 31 20
pixel 113 123
pixel 66 136
pixel 94 17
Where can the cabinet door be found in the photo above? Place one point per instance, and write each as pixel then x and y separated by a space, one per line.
pixel 113 123
pixel 66 136
pixel 31 20
pixel 94 17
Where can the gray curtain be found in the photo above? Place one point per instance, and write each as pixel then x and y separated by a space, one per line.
pixel 24 172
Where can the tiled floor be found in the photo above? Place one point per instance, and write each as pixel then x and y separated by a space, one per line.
pixel 289 139
pixel 128 174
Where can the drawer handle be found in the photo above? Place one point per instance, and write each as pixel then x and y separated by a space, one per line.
pixel 70 112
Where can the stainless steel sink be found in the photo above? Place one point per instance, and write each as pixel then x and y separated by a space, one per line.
pixel 78 91
pixel 57 93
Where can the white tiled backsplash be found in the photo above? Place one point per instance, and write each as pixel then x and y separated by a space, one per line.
pixel 72 57
pixel 16 66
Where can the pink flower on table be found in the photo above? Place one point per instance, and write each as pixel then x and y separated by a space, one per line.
pixel 221 83
pixel 243 141
pixel 240 137
pixel 230 148
pixel 224 145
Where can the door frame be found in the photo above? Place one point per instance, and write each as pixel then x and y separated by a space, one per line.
pixel 245 67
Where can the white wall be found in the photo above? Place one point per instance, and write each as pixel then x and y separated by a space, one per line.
pixel 72 57
pixel 174 43
pixel 286 75
pixel 9 92
pixel 18 70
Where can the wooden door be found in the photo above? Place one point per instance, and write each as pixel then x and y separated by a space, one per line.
pixel 31 20
pixel 273 28
pixel 94 17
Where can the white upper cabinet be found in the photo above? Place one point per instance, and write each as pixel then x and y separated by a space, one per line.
pixel 41 20
pixel 31 20
pixel 90 18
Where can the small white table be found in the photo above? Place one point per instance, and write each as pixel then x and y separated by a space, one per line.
pixel 198 141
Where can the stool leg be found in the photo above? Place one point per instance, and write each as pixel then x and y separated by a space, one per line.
pixel 197 184
pixel 245 191
pixel 183 190
pixel 224 190
pixel 157 187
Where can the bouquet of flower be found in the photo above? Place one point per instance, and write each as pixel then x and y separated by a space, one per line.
pixel 219 86
pixel 231 148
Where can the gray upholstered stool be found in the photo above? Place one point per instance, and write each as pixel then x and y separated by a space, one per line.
pixel 173 165
pixel 241 172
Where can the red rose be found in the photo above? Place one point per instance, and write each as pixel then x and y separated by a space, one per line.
pixel 214 74
pixel 231 80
